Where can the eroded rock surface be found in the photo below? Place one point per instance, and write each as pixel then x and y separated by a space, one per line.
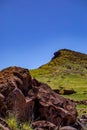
pixel 4 125
pixel 43 125
pixel 33 101
pixel 68 128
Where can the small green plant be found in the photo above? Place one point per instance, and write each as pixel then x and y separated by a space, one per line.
pixel 12 122
pixel 82 109
pixel 26 126
pixel 15 125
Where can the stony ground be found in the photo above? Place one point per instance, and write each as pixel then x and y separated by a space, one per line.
pixel 35 102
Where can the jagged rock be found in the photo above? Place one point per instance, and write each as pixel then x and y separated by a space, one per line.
pixel 4 125
pixel 16 102
pixel 53 107
pixel 56 54
pixel 31 100
pixel 19 105
pixel 43 125
pixel 1 98
pixel 2 105
pixel 83 121
pixel 11 78
pixel 68 128
pixel 78 125
pixel 14 77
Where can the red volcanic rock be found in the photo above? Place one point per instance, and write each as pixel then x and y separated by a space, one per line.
pixel 33 101
pixel 53 107
pixel 14 85
pixel 68 128
pixel 20 106
pixel 1 98
pixel 2 105
pixel 14 77
pixel 4 125
pixel 43 125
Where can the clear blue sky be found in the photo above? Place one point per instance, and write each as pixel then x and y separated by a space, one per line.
pixel 32 30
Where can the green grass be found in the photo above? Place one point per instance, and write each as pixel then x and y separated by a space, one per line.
pixel 67 81
pixel 26 126
pixel 82 109
pixel 14 124
pixel 67 69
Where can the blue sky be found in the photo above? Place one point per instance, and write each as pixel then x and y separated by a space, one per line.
pixel 32 30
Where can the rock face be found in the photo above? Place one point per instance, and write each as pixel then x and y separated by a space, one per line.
pixel 53 107
pixel 33 101
pixel 44 125
pixel 4 125
pixel 68 128
pixel 10 79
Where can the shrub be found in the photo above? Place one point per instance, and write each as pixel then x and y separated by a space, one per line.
pixel 15 125
pixel 26 126
pixel 12 122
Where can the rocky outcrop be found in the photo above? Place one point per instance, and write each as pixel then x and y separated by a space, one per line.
pixel 33 101
pixel 68 128
pixel 84 102
pixel 10 79
pixel 4 125
pixel 64 91
pixel 53 107
pixel 19 105
pixel 43 125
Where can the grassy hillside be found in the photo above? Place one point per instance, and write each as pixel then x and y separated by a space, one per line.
pixel 67 70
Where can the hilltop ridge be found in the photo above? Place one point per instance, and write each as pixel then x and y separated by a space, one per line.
pixel 69 53
pixel 67 69
pixel 67 61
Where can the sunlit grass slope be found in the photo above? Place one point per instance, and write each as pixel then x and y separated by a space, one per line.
pixel 67 69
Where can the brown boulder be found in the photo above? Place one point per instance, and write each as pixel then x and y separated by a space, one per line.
pixel 83 121
pixel 68 128
pixel 56 115
pixel 64 91
pixel 14 77
pixel 1 98
pixel 4 125
pixel 20 106
pixel 10 79
pixel 32 101
pixel 53 107
pixel 2 105
pixel 43 125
